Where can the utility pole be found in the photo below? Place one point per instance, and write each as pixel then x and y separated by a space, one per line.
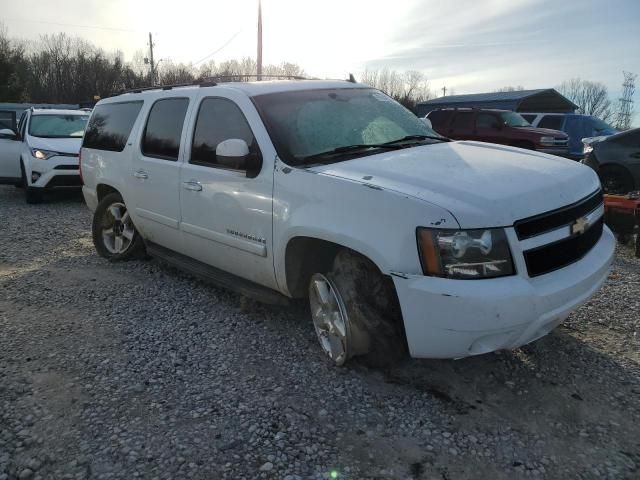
pixel 444 91
pixel 152 65
pixel 259 59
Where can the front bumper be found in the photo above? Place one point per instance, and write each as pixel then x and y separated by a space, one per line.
pixel 58 171
pixel 446 318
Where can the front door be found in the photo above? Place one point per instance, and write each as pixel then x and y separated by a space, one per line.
pixel 10 148
pixel 489 128
pixel 155 173
pixel 226 216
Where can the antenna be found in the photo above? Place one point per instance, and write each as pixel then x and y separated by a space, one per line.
pixel 352 79
pixel 623 122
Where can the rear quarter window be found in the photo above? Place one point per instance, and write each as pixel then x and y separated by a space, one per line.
pixel 554 122
pixel 439 118
pixel 110 126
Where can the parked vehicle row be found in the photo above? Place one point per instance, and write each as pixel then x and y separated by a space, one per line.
pixel 497 126
pixel 41 151
pixel 400 239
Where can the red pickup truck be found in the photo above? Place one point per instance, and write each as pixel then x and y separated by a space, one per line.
pixel 497 126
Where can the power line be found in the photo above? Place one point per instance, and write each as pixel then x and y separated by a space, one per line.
pixel 95 27
pixel 216 51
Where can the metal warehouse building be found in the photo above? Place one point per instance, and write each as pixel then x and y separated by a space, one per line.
pixel 546 100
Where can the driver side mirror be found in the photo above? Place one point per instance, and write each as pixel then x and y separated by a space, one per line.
pixel 427 122
pixel 234 153
pixel 8 134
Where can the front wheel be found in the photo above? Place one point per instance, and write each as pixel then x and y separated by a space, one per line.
pixel 114 234
pixel 355 312
pixel 616 180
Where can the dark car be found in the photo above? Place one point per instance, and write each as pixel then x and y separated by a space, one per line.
pixel 497 126
pixel 616 160
pixel 575 125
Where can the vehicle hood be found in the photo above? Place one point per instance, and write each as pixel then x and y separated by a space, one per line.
pixel 480 184
pixel 541 131
pixel 63 145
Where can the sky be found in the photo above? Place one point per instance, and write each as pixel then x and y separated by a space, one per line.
pixel 467 46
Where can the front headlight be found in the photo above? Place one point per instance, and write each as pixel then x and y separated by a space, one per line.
pixel 42 154
pixel 587 148
pixel 465 254
pixel 547 140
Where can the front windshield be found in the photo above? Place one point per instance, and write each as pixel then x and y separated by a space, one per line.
pixel 57 126
pixel 310 122
pixel 513 119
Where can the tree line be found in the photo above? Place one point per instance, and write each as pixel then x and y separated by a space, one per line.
pixel 64 69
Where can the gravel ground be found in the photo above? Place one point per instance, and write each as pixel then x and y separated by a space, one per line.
pixel 134 370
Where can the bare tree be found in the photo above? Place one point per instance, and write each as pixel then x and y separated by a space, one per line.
pixel 11 66
pixel 510 88
pixel 408 88
pixel 592 98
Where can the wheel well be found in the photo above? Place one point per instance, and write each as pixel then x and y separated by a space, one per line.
pixel 103 190
pixel 305 256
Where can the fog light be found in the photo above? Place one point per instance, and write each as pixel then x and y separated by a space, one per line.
pixel 35 176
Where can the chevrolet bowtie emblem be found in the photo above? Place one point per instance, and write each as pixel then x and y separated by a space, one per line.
pixel 579 226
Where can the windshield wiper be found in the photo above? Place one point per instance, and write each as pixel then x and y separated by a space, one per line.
pixel 417 137
pixel 350 149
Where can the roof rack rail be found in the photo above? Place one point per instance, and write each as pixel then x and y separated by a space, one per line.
pixel 245 78
pixel 196 83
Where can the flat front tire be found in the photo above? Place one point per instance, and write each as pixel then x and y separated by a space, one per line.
pixel 355 312
pixel 114 234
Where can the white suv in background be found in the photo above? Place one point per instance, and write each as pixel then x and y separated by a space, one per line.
pixel 42 152
pixel 401 239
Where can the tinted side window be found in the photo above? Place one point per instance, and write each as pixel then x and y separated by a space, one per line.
pixel 218 120
pixel 110 126
pixel 487 120
pixel 439 118
pixel 161 138
pixel 528 118
pixel 463 121
pixel 554 122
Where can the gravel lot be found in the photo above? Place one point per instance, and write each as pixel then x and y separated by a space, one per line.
pixel 134 370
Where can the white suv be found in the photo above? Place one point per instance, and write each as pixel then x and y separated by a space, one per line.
pixel 42 151
pixel 401 239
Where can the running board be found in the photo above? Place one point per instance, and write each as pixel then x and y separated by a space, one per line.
pixel 216 276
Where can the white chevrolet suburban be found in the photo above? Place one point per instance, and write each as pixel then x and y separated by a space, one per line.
pixel 401 239
pixel 42 152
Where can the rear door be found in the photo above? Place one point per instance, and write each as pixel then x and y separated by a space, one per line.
pixel 155 169
pixel 227 216
pixel 10 148
pixel 462 126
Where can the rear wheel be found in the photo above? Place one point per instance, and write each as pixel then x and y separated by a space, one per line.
pixel 615 180
pixel 114 235
pixel 355 312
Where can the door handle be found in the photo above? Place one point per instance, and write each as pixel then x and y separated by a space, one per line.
pixel 192 185
pixel 141 174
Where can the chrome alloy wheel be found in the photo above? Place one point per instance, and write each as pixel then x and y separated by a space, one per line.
pixel 329 318
pixel 118 229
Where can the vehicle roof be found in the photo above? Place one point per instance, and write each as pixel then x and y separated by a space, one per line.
pixel 556 114
pixel 56 111
pixel 251 89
